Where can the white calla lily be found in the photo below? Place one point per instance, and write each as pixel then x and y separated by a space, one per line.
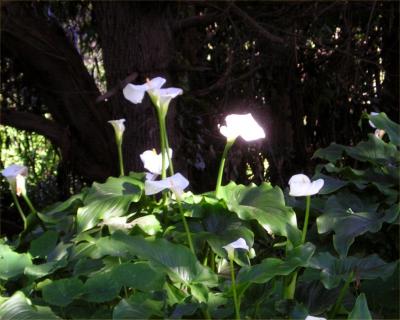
pixel 243 125
pixel 314 318
pixel 162 97
pixel 16 176
pixel 238 244
pixel 176 183
pixel 152 161
pixel 300 185
pixel 135 93
pixel 119 127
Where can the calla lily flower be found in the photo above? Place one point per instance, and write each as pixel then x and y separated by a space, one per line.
pixel 314 318
pixel 176 183
pixel 300 185
pixel 119 127
pixel 153 162
pixel 238 244
pixel 135 93
pixel 162 97
pixel 242 125
pixel 16 176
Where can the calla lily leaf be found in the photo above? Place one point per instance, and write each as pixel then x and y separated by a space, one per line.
pixel 43 245
pixel 335 270
pixel 101 287
pixel 62 292
pixel 12 264
pixel 381 121
pixel 138 306
pixel 263 203
pixel 61 210
pixel 348 216
pixel 360 310
pixel 109 199
pixel 20 307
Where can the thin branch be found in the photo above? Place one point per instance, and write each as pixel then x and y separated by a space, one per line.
pixel 194 21
pixel 117 88
pixel 261 30
pixel 32 122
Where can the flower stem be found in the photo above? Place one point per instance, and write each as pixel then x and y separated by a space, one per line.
pixel 233 284
pixel 189 237
pixel 33 210
pixel 120 158
pixel 20 211
pixel 171 166
pixel 306 218
pixel 342 293
pixel 162 142
pixel 228 145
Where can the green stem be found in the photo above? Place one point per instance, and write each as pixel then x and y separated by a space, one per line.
pixel 341 295
pixel 235 299
pixel 33 210
pixel 228 145
pixel 162 141
pixel 171 166
pixel 20 211
pixel 120 158
pixel 189 237
pixel 306 218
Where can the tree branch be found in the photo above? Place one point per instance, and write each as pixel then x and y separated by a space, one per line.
pixel 194 21
pixel 261 30
pixel 32 122
pixel 117 88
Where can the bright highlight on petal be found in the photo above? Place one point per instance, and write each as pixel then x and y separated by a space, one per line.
pixel 372 114
pixel 300 185
pixel 314 318
pixel 238 244
pixel 176 183
pixel 153 161
pixel 16 177
pixel 135 93
pixel 242 125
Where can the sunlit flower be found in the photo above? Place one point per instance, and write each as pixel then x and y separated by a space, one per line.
pixel 135 93
pixel 16 176
pixel 300 185
pixel 176 183
pixel 119 127
pixel 314 318
pixel 372 114
pixel 153 162
pixel 162 97
pixel 238 244
pixel 242 125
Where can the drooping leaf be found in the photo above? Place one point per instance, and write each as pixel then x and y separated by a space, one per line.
pixel 60 210
pixel 35 271
pixel 335 270
pixel 18 307
pixel 263 203
pixel 360 310
pixel 109 199
pixel 12 264
pixel 62 292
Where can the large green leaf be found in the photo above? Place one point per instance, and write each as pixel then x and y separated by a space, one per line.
pixel 335 270
pixel 101 287
pixel 174 259
pixel 138 306
pixel 38 271
pixel 109 199
pixel 12 264
pixel 381 121
pixel 360 310
pixel 18 307
pixel 62 292
pixel 349 216
pixel 332 153
pixel 60 210
pixel 272 267
pixel 263 203
pixel 43 245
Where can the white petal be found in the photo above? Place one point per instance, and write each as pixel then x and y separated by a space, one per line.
pixel 371 115
pixel 316 186
pixel 164 96
pixel 153 161
pixel 228 133
pixel 134 93
pixel 118 125
pixel 153 187
pixel 300 185
pixel 155 83
pixel 178 183
pixel 151 176
pixel 238 244
pixel 245 126
pixel 14 170
pixel 299 178
pixel 314 318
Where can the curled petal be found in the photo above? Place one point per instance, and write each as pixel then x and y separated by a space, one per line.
pixel 118 126
pixel 176 183
pixel 153 161
pixel 134 93
pixel 243 125
pixel 155 83
pixel 300 185
pixel 238 244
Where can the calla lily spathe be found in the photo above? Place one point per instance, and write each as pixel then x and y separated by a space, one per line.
pixel 118 126
pixel 135 93
pixel 153 161
pixel 162 97
pixel 372 114
pixel 176 183
pixel 300 186
pixel 16 177
pixel 238 244
pixel 314 318
pixel 242 125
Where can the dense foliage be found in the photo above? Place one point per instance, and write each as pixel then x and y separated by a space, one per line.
pixel 113 252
